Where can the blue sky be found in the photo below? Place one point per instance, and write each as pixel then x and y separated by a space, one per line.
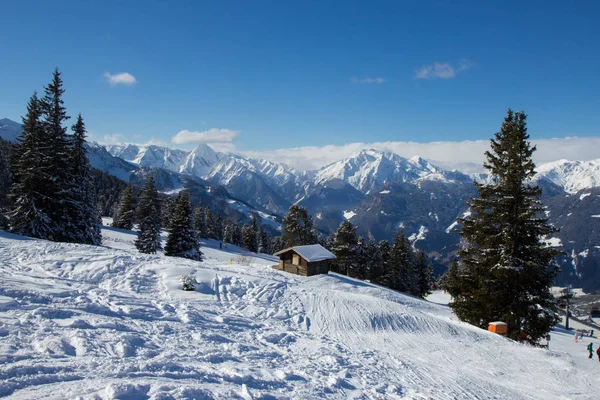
pixel 264 75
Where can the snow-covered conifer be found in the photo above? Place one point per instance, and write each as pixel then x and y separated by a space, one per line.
pixel 505 268
pixel 125 214
pixel 298 227
pixel 345 249
pixel 148 217
pixel 200 221
pixel 182 240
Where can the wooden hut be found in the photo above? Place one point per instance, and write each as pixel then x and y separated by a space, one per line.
pixel 304 260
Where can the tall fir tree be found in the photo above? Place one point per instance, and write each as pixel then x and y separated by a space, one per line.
pixel 30 214
pixel 386 256
pixel 506 270
pixel 345 249
pixel 182 240
pixel 56 157
pixel 249 238
pixel 401 268
pixel 148 216
pixel 218 229
pixel 374 261
pixel 125 214
pixel 200 221
pixel 424 275
pixel 264 242
pixel 84 215
pixel 5 182
pixel 297 228
pixel 210 224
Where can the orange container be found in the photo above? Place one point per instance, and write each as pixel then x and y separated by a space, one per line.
pixel 498 327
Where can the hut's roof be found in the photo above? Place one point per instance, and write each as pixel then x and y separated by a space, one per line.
pixel 311 252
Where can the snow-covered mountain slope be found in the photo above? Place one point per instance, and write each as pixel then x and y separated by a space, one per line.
pixel 104 161
pixel 572 176
pixel 111 323
pixel 150 156
pixel 199 161
pixel 371 169
pixel 254 181
pixel 9 130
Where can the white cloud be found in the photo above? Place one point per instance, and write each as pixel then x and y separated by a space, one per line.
pixel 466 156
pixel 157 142
pixel 443 70
pixel 213 135
pixel 122 78
pixel 112 139
pixel 368 80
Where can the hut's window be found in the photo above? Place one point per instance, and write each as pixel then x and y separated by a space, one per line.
pixel 296 259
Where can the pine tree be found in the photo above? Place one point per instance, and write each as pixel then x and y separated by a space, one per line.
pixel 210 224
pixel 84 215
pixel 236 235
pixel 148 216
pixel 386 255
pixel 248 238
pixel 297 227
pixel 168 208
pixel 361 263
pixel 345 249
pixel 228 232
pixel 374 261
pixel 424 275
pixel 218 227
pixel 401 267
pixel 5 182
pixel 125 213
pixel 506 270
pixel 264 242
pixel 450 280
pixel 182 240
pixel 200 221
pixel 276 244
pixel 55 160
pixel 30 215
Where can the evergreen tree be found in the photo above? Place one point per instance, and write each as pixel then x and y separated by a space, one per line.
pixel 330 242
pixel 424 275
pixel 248 238
pixel 374 261
pixel 168 208
pixel 125 214
pixel 182 240
pixel 200 221
pixel 361 263
pixel 84 217
pixel 210 224
pixel 148 216
pixel 219 227
pixel 276 244
pixel 345 249
pixel 55 160
pixel 236 235
pixel 450 280
pixel 227 232
pixel 264 242
pixel 400 271
pixel 506 270
pixel 297 227
pixel 30 214
pixel 386 255
pixel 5 182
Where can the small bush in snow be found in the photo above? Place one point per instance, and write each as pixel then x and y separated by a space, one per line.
pixel 244 260
pixel 188 283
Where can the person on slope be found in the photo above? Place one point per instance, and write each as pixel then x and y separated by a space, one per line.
pixel 598 352
pixel 590 348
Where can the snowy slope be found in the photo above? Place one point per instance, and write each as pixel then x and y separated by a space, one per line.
pixel 9 130
pixel 108 323
pixel 572 176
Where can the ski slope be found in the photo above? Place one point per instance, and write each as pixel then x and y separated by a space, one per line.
pixel 109 323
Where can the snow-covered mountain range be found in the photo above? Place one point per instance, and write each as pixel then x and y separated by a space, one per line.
pixel 379 192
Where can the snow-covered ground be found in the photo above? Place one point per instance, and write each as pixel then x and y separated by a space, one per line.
pixel 107 322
